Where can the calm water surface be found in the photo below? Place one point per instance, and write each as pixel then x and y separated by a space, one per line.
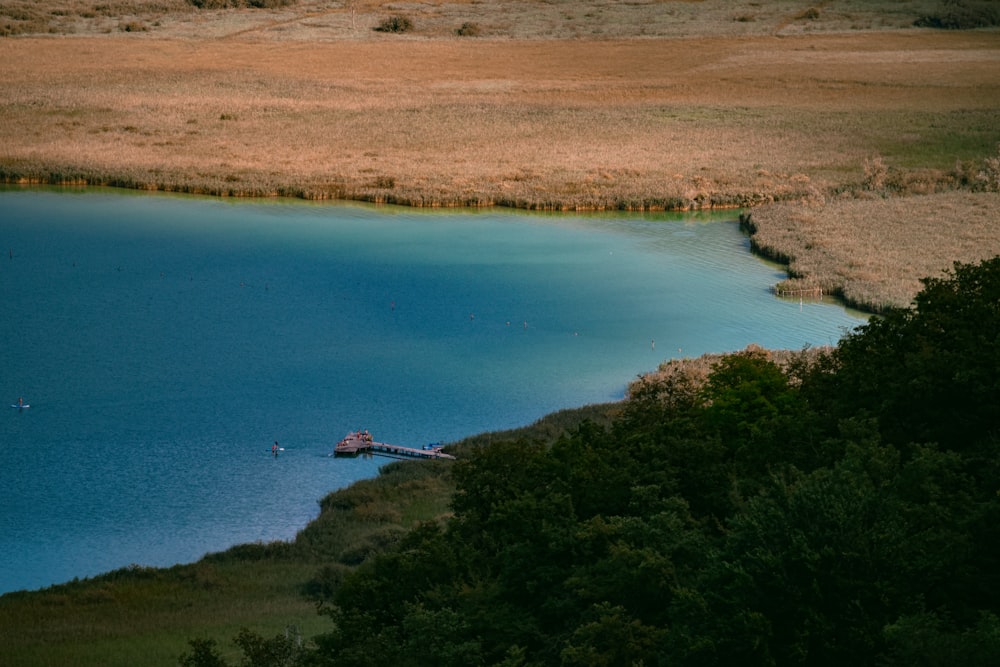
pixel 164 343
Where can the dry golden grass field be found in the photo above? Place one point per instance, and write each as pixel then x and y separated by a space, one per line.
pixel 873 135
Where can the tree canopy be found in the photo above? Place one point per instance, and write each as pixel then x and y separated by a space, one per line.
pixel 844 512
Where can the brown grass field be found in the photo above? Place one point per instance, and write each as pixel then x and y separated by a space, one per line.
pixel 877 139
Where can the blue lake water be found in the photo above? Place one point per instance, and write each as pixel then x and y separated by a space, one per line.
pixel 165 342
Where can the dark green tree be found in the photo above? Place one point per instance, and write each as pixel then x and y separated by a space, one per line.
pixel 811 565
pixel 609 637
pixel 930 373
pixel 204 653
pixel 282 650
pixel 927 640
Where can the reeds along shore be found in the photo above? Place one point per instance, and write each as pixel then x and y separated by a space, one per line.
pixel 870 250
pixel 834 119
pixel 638 192
pixel 235 186
pixel 874 253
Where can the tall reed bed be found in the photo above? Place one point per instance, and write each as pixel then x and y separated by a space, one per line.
pixel 873 252
pixel 538 125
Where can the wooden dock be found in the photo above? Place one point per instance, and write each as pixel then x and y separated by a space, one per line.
pixel 361 442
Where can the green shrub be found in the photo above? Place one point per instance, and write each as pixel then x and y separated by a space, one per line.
pixel 213 4
pixel 227 4
pixel 989 177
pixel 269 4
pixel 133 26
pixel 396 23
pixel 876 173
pixel 469 29
pixel 372 544
pixel 962 15
pixel 204 653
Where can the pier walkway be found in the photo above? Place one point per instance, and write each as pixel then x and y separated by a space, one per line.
pixel 360 442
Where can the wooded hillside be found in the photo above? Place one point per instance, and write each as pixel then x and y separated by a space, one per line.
pixel 844 510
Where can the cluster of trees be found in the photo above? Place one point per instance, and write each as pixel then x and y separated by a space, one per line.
pixel 279 651
pixel 838 511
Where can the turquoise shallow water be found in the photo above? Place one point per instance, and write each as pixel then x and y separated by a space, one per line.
pixel 165 342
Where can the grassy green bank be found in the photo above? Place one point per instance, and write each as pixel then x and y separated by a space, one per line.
pixel 146 616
